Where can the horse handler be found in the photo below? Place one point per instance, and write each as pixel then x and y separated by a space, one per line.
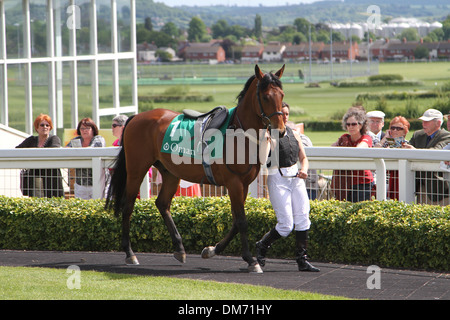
pixel 288 195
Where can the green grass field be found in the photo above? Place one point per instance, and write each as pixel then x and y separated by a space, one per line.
pixel 307 104
pixel 18 283
pixel 323 102
pixel 326 101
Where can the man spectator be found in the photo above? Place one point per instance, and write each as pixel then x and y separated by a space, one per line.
pixel 431 136
pixel 448 121
pixel 376 124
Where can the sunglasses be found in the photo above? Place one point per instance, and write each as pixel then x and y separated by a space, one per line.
pixel 352 124
pixel 44 125
pixel 397 128
pixel 114 125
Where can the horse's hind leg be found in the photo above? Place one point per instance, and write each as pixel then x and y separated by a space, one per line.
pixel 163 202
pixel 131 194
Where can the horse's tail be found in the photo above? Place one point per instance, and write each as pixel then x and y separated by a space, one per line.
pixel 115 198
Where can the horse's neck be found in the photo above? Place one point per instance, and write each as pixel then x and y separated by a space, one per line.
pixel 247 116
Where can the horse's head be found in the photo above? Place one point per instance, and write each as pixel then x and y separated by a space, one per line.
pixel 270 98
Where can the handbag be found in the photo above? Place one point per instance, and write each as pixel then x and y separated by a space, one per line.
pixel 26 182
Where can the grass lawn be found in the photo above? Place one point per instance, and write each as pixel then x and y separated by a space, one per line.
pixel 320 103
pixel 306 104
pixel 19 283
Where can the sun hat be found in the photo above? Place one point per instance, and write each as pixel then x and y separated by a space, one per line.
pixel 431 114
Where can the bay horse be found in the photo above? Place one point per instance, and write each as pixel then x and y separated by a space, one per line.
pixel 259 107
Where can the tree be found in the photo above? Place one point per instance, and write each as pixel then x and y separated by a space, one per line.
pixel 303 25
pixel 299 38
pixel 171 30
pixel 409 34
pixel 196 30
pixel 446 28
pixel 258 26
pixel 220 29
pixel 164 56
pixel 421 52
pixel 148 24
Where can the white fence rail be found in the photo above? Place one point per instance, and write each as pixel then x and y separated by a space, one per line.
pixel 324 159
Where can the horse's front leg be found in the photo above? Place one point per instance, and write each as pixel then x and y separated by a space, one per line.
pixel 240 224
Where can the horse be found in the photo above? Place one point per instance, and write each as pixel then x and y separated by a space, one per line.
pixel 259 108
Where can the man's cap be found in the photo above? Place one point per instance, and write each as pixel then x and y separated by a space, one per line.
pixel 431 114
pixel 375 114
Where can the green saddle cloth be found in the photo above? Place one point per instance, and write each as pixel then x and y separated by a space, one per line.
pixel 183 137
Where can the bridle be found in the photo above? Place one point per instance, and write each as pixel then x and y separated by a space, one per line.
pixel 263 115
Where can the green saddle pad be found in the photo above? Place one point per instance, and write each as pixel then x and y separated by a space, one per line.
pixel 183 138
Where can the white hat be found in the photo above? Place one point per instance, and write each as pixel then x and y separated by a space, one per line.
pixel 375 114
pixel 431 114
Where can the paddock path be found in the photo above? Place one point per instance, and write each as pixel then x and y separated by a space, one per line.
pixel 336 279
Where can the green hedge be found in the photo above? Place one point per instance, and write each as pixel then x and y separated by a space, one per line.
pixel 385 77
pixel 405 95
pixel 377 83
pixel 385 233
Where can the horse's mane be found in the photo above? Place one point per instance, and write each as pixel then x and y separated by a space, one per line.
pixel 269 78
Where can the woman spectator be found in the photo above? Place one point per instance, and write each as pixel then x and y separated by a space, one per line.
pixel 353 185
pixel 42 182
pixel 118 123
pixel 87 137
pixel 394 138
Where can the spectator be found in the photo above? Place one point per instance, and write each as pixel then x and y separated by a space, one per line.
pixel 431 136
pixel 353 185
pixel 446 167
pixel 376 124
pixel 42 182
pixel 87 137
pixel 448 121
pixel 118 123
pixel 394 138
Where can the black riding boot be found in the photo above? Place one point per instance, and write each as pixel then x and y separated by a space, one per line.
pixel 301 242
pixel 264 244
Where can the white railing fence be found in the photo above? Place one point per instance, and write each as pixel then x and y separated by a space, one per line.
pixel 383 162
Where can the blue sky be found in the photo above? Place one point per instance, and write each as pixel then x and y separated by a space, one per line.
pixel 265 3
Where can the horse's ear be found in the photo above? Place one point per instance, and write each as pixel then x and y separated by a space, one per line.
pixel 279 73
pixel 259 75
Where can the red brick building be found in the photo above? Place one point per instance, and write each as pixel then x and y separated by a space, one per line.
pixel 205 52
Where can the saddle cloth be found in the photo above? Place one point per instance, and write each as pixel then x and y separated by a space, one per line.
pixel 185 135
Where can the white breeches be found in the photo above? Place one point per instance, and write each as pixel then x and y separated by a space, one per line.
pixel 290 202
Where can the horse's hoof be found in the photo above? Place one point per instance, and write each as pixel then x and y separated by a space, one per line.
pixel 255 268
pixel 208 252
pixel 131 260
pixel 180 256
